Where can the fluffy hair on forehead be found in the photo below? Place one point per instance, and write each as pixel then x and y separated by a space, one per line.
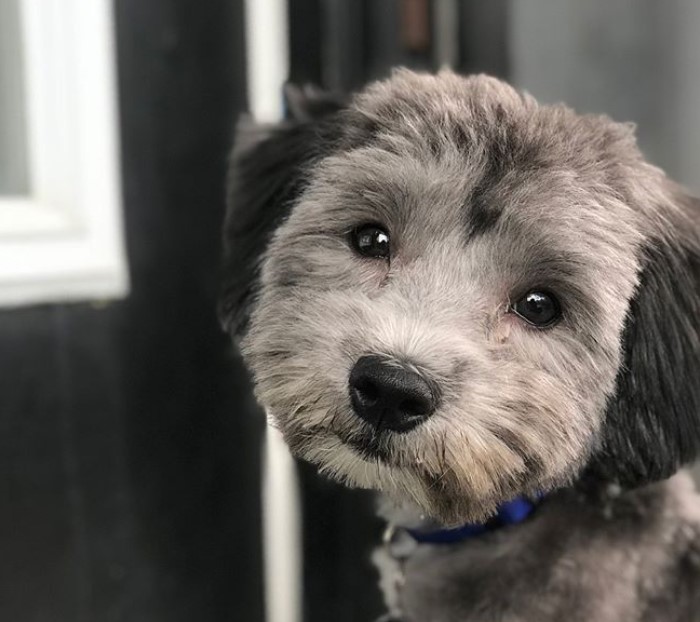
pixel 485 195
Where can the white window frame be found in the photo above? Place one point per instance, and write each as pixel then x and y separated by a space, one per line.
pixel 64 240
pixel 267 53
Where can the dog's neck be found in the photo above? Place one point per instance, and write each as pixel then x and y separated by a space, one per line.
pixel 408 518
pixel 426 531
pixel 592 548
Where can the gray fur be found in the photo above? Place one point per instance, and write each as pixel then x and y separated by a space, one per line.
pixel 487 194
pixel 623 558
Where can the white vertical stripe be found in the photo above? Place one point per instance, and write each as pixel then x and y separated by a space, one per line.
pixel 282 532
pixel 267 49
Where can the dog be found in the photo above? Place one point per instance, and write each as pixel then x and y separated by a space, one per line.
pixel 487 309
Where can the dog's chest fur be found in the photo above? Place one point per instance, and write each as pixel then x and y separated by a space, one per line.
pixel 633 557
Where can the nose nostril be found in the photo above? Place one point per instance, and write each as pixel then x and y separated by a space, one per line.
pixel 414 407
pixel 367 390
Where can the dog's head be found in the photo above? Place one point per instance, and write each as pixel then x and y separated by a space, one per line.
pixel 451 293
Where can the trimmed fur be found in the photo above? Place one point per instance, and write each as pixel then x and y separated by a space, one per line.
pixel 486 195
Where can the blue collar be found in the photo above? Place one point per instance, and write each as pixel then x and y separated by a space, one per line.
pixel 509 513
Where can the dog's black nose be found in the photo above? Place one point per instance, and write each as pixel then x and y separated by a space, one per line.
pixel 389 396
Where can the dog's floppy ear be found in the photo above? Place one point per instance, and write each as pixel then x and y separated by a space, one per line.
pixel 266 174
pixel 653 421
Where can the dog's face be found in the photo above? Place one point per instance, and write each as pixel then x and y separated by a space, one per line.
pixel 442 298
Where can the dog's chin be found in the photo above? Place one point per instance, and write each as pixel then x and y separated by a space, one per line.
pixel 367 461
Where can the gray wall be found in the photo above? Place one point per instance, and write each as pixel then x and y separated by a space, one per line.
pixel 636 60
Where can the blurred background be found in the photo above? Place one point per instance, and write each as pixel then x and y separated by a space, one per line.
pixel 130 447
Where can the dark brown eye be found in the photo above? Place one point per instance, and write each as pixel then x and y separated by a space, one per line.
pixel 371 241
pixel 538 308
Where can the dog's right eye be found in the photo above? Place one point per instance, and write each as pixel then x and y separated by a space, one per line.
pixel 371 241
pixel 538 308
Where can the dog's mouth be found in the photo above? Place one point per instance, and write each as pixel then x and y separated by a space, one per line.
pixel 368 445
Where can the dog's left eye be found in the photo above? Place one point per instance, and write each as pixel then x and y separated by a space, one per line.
pixel 371 241
pixel 538 308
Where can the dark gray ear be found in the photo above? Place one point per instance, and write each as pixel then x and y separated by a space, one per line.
pixel 653 421
pixel 310 102
pixel 266 174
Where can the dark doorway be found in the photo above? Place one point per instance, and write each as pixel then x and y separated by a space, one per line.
pixel 129 445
